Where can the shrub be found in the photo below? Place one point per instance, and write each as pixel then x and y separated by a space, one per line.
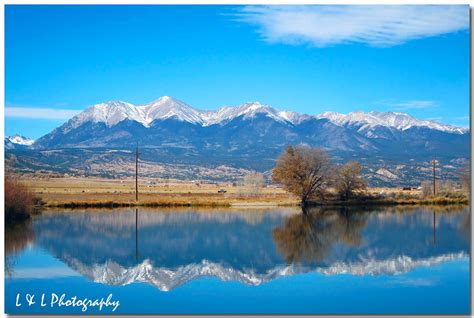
pixel 253 182
pixel 19 200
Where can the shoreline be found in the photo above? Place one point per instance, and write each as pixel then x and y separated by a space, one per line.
pixel 226 204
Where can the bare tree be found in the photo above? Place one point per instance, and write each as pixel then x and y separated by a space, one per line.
pixel 254 181
pixel 426 188
pixel 303 171
pixel 349 180
pixel 447 187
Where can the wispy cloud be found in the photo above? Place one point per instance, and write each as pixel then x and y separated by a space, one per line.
pixel 414 104
pixel 377 26
pixel 391 104
pixel 463 121
pixel 435 118
pixel 40 113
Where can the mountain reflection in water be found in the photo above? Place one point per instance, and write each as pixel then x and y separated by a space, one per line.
pixel 167 248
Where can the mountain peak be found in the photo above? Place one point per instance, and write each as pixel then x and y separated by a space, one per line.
pixel 110 113
pixel 167 107
pixel 247 111
pixel 20 140
pixel 17 142
pixel 164 99
pixel 253 105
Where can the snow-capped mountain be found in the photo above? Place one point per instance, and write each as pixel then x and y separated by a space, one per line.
pixel 112 113
pixel 249 136
pixel 166 107
pixel 250 110
pixel 20 140
pixel 17 142
pixel 399 121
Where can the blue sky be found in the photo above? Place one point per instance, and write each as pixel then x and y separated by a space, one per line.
pixel 310 59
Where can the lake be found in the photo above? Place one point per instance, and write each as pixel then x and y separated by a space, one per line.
pixel 392 260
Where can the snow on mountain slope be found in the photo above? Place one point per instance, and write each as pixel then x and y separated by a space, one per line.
pixel 110 113
pixel 17 142
pixel 249 110
pixel 166 107
pixel 399 121
pixel 20 140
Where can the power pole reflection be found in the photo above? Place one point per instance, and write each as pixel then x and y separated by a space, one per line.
pixel 136 234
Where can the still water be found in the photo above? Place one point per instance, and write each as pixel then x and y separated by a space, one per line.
pixel 376 260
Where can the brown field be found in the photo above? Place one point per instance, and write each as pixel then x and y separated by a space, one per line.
pixel 94 191
pixel 102 192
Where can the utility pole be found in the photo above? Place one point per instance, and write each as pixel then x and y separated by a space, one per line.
pixel 136 174
pixel 434 162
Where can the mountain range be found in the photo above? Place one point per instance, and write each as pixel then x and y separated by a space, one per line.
pixel 250 137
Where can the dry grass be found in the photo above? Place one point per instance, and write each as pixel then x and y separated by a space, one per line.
pixel 414 201
pixel 74 192
pixel 97 192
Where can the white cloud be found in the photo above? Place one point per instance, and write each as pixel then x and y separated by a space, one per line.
pixel 377 26
pixel 414 104
pixel 435 118
pixel 40 113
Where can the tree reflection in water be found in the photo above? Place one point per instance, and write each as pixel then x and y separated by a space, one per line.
pixel 17 237
pixel 309 236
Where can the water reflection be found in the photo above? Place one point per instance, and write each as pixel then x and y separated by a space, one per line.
pixel 310 236
pixel 465 227
pixel 136 234
pixel 169 248
pixel 17 237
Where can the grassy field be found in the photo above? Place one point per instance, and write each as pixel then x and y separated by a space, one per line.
pixel 101 192
pixel 72 191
